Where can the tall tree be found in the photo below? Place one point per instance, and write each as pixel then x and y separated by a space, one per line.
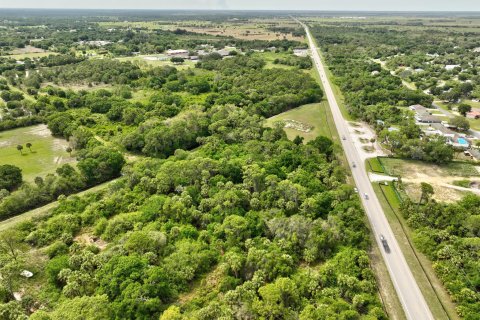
pixel 427 192
pixel 10 177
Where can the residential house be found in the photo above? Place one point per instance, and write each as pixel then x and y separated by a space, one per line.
pixel 474 114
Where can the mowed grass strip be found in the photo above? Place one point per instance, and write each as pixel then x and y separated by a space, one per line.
pixel 47 153
pixel 374 165
pixel 311 114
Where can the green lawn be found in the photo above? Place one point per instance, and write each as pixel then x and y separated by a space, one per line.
pixel 391 195
pixel 48 153
pixel 375 165
pixel 311 114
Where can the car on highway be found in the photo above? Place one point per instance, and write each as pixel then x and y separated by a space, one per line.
pixel 354 165
pixel 365 196
pixel 343 138
pixel 385 244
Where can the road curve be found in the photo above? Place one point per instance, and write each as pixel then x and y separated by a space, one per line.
pixel 409 293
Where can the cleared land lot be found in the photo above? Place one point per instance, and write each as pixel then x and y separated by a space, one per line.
pixel 47 153
pixel 442 178
pixel 312 115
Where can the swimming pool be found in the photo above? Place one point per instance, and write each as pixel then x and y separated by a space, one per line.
pixel 462 141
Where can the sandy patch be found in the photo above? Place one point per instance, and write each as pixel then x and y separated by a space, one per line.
pixel 87 239
pixel 40 130
pixel 374 177
pixel 364 134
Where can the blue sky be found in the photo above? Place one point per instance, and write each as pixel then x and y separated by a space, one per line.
pixel 350 5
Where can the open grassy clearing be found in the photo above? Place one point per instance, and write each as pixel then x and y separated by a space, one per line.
pixel 243 30
pixel 28 52
pixel 254 29
pixel 419 264
pixel 47 153
pixel 144 62
pixel 313 115
pixel 442 178
pixel 404 168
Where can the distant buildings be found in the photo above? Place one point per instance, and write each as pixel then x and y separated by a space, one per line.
pixel 97 43
pixel 450 67
pixel 300 52
pixel 180 53
pixel 423 115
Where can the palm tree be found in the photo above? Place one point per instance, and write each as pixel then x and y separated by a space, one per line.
pixel 29 146
pixel 20 148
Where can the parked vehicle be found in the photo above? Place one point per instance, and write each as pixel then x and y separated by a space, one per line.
pixel 365 196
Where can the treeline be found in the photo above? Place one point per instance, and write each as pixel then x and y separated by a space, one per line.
pixel 300 62
pixel 449 234
pixel 271 221
pixel 93 72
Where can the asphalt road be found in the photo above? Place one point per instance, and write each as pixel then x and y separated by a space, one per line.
pixel 410 296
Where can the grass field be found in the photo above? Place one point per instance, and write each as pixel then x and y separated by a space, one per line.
pixel 375 165
pixel 48 153
pixel 403 167
pixel 311 114
pixel 143 63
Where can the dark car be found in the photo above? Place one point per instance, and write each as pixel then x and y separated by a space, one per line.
pixel 385 243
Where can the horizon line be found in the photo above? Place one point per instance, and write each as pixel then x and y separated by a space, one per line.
pixel 250 10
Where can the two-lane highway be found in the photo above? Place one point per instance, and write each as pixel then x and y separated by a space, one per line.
pixel 409 293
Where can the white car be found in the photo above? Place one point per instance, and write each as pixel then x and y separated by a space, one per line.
pixel 355 189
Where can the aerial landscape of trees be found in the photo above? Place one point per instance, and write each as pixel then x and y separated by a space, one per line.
pixel 209 192
pixel 201 210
